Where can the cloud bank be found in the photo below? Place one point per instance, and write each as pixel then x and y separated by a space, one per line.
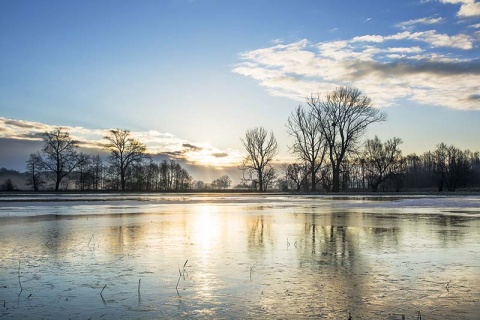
pixel 158 143
pixel 427 67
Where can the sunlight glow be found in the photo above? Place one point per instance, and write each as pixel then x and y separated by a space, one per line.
pixel 213 157
pixel 205 226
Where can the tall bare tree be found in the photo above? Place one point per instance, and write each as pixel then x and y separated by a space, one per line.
pixel 61 156
pixel 261 149
pixel 124 151
pixel 309 145
pixel 344 116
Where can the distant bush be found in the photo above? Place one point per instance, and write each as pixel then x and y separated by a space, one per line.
pixel 8 185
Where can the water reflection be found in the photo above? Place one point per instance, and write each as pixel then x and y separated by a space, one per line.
pixel 244 261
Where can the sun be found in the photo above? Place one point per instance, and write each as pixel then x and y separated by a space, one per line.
pixel 213 157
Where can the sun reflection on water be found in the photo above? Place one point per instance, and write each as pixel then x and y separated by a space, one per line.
pixel 205 226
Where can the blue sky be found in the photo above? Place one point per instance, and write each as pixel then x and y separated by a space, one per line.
pixel 201 72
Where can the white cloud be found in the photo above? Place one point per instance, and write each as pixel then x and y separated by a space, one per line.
pixel 369 38
pixel 411 23
pixel 456 1
pixel 384 67
pixel 431 37
pixel 468 8
pixel 460 41
pixel 405 49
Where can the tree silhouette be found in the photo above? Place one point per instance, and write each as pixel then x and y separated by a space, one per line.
pixel 34 170
pixel 61 157
pixel 309 145
pixel 261 149
pixel 382 160
pixel 124 151
pixel 344 116
pixel 222 183
pixel 451 166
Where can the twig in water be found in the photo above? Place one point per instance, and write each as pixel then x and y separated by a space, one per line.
pixel 90 240
pixel 103 289
pixel 19 282
pixel 29 296
pixel 181 274
pixel 139 295
pixel 46 243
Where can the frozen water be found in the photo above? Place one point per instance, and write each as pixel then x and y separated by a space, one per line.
pixel 274 256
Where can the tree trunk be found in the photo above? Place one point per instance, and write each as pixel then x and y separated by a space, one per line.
pixel 122 177
pixel 440 186
pixel 336 179
pixel 260 181
pixel 314 184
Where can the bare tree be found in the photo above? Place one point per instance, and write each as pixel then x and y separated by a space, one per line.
pixel 182 179
pixel 261 149
pixel 326 178
pixel 309 146
pixel 153 176
pixel 84 163
pixel 124 152
pixel 34 170
pixel 61 157
pixel 296 173
pixel 269 177
pixel 165 176
pixel 8 185
pixel 451 166
pixel 222 183
pixel 344 116
pixel 382 160
pixel 97 173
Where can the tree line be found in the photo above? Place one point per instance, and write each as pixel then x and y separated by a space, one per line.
pixel 327 142
pixel 331 155
pixel 59 166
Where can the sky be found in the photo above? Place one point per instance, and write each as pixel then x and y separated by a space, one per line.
pixel 189 77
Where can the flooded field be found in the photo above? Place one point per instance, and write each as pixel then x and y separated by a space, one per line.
pixel 239 257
